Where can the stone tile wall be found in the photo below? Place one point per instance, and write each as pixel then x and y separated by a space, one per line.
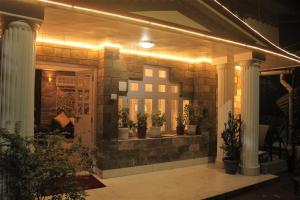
pixel 205 95
pixel 123 67
pixel 135 152
pixel 198 83
pixel 66 55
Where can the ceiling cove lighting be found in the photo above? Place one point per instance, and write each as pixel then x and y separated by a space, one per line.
pixel 146 44
pixel 294 58
pixel 123 50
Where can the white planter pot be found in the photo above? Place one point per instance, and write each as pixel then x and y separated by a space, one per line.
pixel 123 133
pixel 155 132
pixel 192 129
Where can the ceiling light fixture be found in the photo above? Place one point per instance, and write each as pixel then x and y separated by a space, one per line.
pixel 146 44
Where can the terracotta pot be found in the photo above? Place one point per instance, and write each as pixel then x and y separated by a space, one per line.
pixel 155 132
pixel 231 166
pixel 123 133
pixel 142 132
pixel 192 129
pixel 180 130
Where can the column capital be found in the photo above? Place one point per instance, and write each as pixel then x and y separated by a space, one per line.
pixel 223 60
pixel 249 57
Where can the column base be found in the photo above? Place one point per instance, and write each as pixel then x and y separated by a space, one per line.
pixel 250 171
pixel 219 164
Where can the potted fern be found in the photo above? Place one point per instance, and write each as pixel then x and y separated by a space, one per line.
pixel 142 124
pixel 158 120
pixel 180 124
pixel 232 143
pixel 123 132
pixel 190 119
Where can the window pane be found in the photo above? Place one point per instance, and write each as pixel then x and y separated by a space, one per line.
pixel 120 103
pixel 174 113
pixel 148 87
pixel 162 88
pixel 174 89
pixel 133 109
pixel 148 110
pixel 184 103
pixel 162 109
pixel 148 72
pixel 162 74
pixel 134 87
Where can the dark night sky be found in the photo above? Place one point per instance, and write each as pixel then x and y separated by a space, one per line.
pixel 284 14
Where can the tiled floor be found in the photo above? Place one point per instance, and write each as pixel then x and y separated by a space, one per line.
pixel 189 183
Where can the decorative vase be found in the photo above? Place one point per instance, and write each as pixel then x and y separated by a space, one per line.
pixel 180 130
pixel 192 129
pixel 231 166
pixel 123 133
pixel 142 132
pixel 155 132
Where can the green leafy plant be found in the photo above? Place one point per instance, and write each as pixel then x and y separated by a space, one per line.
pixel 42 167
pixel 142 120
pixel 124 117
pixel 158 119
pixel 131 125
pixel 180 121
pixel 192 114
pixel 231 137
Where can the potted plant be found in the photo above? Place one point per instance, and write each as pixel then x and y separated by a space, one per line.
pixel 180 124
pixel 123 132
pixel 142 124
pixel 190 119
pixel 232 143
pixel 158 120
pixel 132 128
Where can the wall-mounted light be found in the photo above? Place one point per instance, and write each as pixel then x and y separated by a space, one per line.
pixel 146 44
pixel 49 79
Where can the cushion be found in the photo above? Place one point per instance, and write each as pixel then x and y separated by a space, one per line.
pixel 72 120
pixel 62 119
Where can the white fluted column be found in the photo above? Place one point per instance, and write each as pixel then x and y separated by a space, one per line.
pixel 250 117
pixel 17 78
pixel 225 103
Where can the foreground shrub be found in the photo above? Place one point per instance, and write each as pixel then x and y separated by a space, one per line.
pixel 41 167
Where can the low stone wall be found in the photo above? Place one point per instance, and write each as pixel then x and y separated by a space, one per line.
pixel 136 152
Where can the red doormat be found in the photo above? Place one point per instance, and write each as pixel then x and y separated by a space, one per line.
pixel 86 182
pixel 89 182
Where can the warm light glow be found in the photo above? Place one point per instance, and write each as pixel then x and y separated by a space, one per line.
pixel 49 79
pixel 238 67
pixel 184 31
pixel 68 43
pixel 165 56
pixel 123 50
pixel 146 44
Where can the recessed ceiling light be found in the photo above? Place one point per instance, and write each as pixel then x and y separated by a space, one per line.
pixel 146 44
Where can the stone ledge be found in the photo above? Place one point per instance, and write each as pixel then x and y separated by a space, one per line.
pixel 111 173
pixel 117 154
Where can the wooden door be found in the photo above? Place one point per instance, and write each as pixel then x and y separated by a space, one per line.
pixel 84 104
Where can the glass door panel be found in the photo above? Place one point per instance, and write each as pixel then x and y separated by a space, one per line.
pixel 174 113
pixel 148 111
pixel 162 109
pixel 133 109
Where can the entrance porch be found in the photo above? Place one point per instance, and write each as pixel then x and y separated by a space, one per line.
pixel 213 63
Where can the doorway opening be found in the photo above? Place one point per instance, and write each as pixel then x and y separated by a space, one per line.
pixel 64 101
